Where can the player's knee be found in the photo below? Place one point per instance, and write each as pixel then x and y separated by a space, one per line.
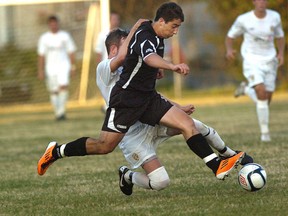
pixel 159 179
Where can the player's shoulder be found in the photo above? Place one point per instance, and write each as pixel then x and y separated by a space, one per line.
pixel 272 13
pixel 103 66
pixel 245 16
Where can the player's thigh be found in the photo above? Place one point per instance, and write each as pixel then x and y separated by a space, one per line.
pixel 151 165
pixel 63 78
pixel 138 145
pixel 253 73
pixel 176 118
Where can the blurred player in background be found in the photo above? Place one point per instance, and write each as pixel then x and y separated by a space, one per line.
pixel 56 62
pixel 260 58
pixel 134 98
pixel 100 48
pixel 140 142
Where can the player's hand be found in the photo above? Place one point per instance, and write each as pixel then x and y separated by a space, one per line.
pixel 160 74
pixel 189 109
pixel 230 54
pixel 181 68
pixel 280 60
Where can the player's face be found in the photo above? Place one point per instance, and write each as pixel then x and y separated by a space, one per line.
pixel 170 28
pixel 53 26
pixel 260 5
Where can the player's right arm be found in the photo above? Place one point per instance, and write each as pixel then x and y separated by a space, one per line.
pixel 230 52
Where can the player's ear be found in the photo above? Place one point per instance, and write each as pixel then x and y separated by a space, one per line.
pixel 113 49
pixel 161 21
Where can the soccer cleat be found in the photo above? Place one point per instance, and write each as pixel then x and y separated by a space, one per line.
pixel 240 90
pixel 47 158
pixel 245 160
pixel 228 164
pixel 265 137
pixel 125 186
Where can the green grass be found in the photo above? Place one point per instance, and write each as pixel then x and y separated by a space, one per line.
pixel 89 185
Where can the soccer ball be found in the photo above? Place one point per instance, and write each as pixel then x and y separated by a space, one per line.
pixel 252 177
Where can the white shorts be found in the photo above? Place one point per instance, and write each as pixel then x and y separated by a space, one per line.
pixel 141 141
pixel 261 72
pixel 53 82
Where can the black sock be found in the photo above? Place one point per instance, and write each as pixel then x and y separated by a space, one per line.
pixel 76 147
pixel 201 148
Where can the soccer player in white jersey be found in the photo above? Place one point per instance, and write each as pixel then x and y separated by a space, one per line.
pixel 56 62
pixel 260 58
pixel 140 142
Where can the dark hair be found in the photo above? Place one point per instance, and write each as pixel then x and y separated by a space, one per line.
pixel 53 18
pixel 114 38
pixel 169 11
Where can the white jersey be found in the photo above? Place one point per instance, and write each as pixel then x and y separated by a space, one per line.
pixel 258 35
pixel 105 79
pixel 141 140
pixel 56 47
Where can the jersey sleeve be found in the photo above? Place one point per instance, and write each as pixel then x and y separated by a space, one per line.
pixel 145 45
pixel 279 33
pixel 236 29
pixel 104 73
pixel 41 49
pixel 70 45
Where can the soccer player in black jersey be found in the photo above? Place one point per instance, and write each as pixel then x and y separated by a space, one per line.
pixel 134 98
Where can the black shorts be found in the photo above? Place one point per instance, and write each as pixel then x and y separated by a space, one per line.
pixel 127 107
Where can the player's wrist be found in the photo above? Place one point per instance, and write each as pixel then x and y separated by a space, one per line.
pixel 73 67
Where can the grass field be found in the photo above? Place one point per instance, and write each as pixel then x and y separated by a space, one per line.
pixel 89 185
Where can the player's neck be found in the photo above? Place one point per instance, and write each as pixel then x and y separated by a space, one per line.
pixel 260 13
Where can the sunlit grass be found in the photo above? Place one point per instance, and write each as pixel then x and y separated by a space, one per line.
pixel 89 185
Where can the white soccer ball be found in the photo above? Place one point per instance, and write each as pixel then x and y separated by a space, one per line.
pixel 252 177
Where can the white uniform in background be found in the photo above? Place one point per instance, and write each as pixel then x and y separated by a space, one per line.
pixel 259 58
pixel 100 47
pixel 258 50
pixel 56 47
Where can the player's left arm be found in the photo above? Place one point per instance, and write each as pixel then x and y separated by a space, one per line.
pixel 280 43
pixel 156 61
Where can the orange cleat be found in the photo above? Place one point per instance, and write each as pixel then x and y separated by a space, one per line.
pixel 47 158
pixel 228 164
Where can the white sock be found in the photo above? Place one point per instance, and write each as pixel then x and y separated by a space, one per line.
pixel 262 109
pixel 140 179
pixel 63 96
pixel 62 147
pixel 54 102
pixel 213 138
pixel 251 93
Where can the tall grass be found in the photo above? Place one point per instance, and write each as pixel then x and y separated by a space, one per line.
pixel 89 185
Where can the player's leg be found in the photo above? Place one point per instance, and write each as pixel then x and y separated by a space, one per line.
pixel 106 143
pixel 139 149
pixel 52 87
pixel 154 178
pixel 62 99
pixel 63 80
pixel 176 118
